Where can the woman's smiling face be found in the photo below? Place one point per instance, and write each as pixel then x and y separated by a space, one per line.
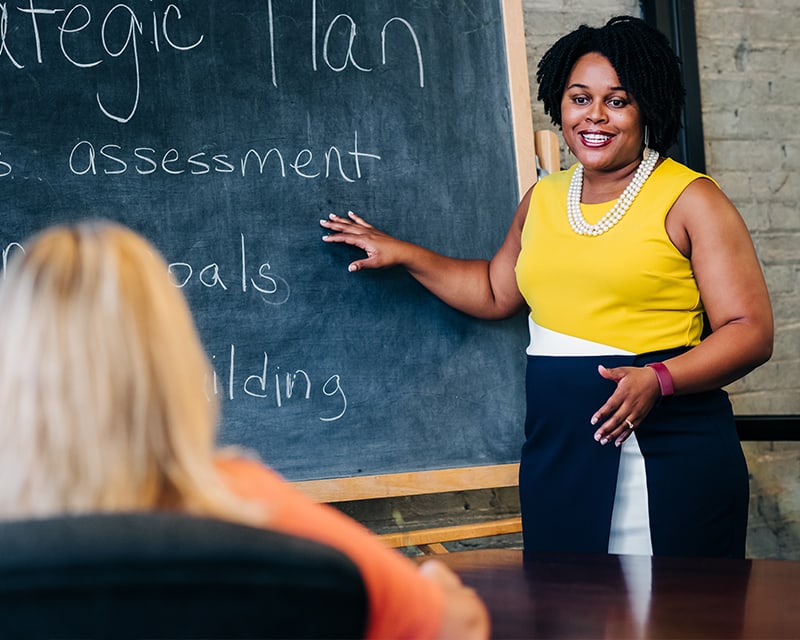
pixel 601 122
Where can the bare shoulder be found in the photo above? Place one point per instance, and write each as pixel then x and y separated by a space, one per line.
pixel 701 214
pixel 521 213
pixel 703 202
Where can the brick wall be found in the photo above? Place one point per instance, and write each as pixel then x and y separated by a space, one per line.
pixel 750 81
pixel 747 54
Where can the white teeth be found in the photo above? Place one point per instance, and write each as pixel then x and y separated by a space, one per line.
pixel 595 138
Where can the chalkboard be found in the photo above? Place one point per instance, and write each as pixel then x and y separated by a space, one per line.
pixel 223 132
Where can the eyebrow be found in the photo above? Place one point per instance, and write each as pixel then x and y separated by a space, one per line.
pixel 578 85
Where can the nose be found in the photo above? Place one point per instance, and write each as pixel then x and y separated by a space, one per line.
pixel 596 112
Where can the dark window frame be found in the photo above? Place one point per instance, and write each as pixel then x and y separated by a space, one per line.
pixel 675 19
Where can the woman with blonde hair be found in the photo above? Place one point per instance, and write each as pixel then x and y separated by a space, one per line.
pixel 103 404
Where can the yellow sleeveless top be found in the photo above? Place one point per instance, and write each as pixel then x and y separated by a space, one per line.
pixel 629 288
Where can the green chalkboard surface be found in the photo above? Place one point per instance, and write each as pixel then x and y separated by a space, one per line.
pixel 223 132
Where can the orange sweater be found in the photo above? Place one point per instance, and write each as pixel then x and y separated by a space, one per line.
pixel 402 602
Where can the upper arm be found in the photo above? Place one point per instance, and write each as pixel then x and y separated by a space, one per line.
pixel 706 226
pixel 502 267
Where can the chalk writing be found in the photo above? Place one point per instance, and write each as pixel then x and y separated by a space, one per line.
pixel 5 168
pixel 350 34
pixel 71 25
pixel 276 386
pixel 87 39
pixel 346 163
pixel 273 288
pixel 279 387
pixel 11 246
pixel 222 131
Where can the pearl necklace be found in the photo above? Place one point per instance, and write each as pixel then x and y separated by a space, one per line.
pixel 574 215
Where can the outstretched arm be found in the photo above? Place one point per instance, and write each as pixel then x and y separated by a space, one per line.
pixel 481 288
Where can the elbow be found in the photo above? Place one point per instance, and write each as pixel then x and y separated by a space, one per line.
pixel 757 339
pixel 766 348
pixel 766 343
pixel 502 310
pixel 762 347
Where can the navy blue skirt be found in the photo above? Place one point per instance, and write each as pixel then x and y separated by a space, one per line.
pixel 697 478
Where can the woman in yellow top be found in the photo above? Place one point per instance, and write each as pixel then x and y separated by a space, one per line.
pixel 646 297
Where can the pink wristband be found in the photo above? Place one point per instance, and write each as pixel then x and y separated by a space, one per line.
pixel 664 378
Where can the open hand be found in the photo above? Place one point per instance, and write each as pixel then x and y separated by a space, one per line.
pixel 636 393
pixel 382 250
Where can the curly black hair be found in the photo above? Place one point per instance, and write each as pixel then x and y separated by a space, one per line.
pixel 644 61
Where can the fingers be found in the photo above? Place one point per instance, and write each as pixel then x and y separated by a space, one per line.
pixel 439 572
pixel 608 374
pixel 619 433
pixel 345 230
pixel 618 422
pixel 350 231
pixel 358 220
pixel 465 616
pixel 355 266
pixel 357 232
pixel 630 403
pixel 352 224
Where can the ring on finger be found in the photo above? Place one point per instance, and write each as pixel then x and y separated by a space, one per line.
pixel 630 424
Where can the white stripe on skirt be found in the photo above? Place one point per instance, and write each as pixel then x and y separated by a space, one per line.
pixel 630 519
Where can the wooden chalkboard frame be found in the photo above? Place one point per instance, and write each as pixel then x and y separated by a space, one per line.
pixel 393 485
pixel 465 478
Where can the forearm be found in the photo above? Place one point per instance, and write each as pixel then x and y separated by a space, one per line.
pixel 481 288
pixel 465 285
pixel 726 355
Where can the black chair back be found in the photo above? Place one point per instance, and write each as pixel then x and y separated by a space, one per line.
pixel 172 576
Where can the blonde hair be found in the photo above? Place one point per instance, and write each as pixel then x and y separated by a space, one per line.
pixel 102 378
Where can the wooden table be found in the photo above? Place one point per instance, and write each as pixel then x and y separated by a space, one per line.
pixel 608 596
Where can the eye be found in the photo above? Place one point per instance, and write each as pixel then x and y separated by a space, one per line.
pixel 581 100
pixel 617 103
